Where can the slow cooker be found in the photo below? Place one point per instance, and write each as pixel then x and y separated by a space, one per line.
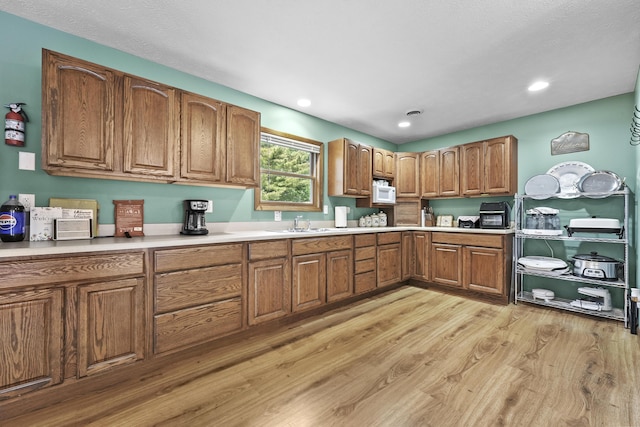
pixel 596 266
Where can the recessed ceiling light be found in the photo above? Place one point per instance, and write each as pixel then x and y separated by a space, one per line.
pixel 304 102
pixel 404 124
pixel 539 85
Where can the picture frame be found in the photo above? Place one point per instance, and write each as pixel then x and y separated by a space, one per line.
pixel 445 221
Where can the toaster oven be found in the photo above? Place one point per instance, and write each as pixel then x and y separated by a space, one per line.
pixel 495 215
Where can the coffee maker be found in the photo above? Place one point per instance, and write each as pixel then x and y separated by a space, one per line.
pixel 194 223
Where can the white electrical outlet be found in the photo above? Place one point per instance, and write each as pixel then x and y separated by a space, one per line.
pixel 209 206
pixel 277 215
pixel 326 209
pixel 27 200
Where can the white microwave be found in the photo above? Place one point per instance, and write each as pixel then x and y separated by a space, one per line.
pixel 384 194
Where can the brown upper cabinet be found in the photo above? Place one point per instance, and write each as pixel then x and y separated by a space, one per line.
pixel 489 167
pixel 78 116
pixel 350 168
pixel 440 173
pixel 475 169
pixel 150 129
pixel 408 175
pixel 384 163
pixel 219 142
pixel 103 123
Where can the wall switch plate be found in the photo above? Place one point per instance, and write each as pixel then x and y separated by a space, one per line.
pixel 209 206
pixel 326 209
pixel 27 200
pixel 26 161
pixel 277 215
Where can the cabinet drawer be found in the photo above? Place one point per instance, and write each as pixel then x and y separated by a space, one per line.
pixel 365 265
pixel 365 240
pixel 268 250
pixel 201 256
pixel 69 269
pixel 196 325
pixel 365 253
pixel 390 237
pixel 484 240
pixel 195 287
pixel 365 282
pixel 322 244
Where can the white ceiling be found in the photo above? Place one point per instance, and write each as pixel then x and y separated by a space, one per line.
pixel 365 63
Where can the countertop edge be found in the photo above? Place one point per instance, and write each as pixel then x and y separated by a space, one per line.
pixel 111 244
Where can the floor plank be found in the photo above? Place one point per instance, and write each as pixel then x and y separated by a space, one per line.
pixel 413 357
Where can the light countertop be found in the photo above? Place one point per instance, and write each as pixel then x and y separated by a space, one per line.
pixel 100 244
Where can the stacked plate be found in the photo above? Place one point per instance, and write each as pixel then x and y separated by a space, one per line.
pixel 568 179
pixel 568 175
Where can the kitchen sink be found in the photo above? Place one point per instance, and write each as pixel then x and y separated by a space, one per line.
pixel 307 231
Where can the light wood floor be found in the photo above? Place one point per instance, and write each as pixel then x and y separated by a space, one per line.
pixel 412 357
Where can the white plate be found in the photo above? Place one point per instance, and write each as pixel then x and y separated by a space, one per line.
pixel 569 174
pixel 540 187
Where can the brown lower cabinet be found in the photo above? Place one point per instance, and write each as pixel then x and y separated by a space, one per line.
pixel 269 281
pixel 422 252
pixel 473 262
pixel 322 271
pixel 31 332
pixel 364 262
pixel 111 331
pixel 198 293
pixel 71 316
pixel 389 254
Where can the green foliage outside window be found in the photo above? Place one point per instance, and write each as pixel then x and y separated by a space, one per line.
pixel 286 174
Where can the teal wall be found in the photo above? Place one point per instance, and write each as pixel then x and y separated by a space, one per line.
pixel 20 81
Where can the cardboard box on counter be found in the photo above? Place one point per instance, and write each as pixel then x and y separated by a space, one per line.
pixel 41 223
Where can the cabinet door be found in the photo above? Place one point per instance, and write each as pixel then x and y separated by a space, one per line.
pixel 339 275
pixel 383 163
pixel 202 140
pixel 446 264
pixel 430 173
pixel 484 270
pixel 269 290
pixel 389 164
pixel 421 250
pixel 350 170
pixel 472 169
pixel 110 324
pixel 408 180
pixel 500 167
pixel 365 178
pixel 79 118
pixel 31 333
pixel 389 264
pixel 151 129
pixel 449 184
pixel 407 255
pixel 309 281
pixel 378 162
pixel 243 146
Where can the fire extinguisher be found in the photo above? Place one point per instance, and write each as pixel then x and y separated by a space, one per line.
pixel 14 124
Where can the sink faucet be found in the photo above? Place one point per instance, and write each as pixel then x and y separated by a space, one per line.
pixel 301 224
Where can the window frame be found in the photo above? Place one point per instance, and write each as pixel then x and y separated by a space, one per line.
pixel 317 177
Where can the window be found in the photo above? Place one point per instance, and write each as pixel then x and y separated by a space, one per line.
pixel 290 173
